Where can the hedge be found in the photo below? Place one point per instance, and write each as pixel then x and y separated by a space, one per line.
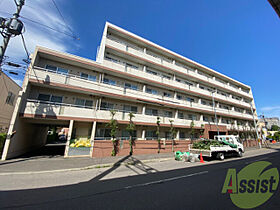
pixel 2 141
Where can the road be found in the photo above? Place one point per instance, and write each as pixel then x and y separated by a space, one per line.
pixel 183 186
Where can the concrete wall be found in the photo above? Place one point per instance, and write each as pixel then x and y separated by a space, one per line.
pixel 104 148
pixel 28 137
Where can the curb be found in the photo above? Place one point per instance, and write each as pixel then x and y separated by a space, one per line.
pixel 82 168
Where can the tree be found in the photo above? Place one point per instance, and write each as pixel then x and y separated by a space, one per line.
pixel 173 133
pixel 275 128
pixel 157 133
pixel 113 124
pixel 130 128
pixel 201 131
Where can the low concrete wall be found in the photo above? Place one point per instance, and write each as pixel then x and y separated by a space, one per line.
pixel 250 143
pixel 104 148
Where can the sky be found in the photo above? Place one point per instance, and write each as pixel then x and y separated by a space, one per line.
pixel 239 38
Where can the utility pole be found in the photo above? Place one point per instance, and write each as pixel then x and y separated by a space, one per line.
pixel 11 27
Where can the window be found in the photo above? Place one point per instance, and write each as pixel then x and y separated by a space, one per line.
pixel 56 99
pixel 151 91
pixel 190 99
pixel 44 97
pixel 166 76
pixel 151 72
pixel 179 97
pixel 201 87
pixel 62 71
pixel 131 66
pixel 51 68
pixel 112 59
pixel 166 94
pixel 89 103
pixel 52 98
pixel 128 108
pixel 178 80
pixel 109 81
pixel 103 133
pixel 150 135
pixel 84 103
pixel 106 106
pixel 191 117
pixel 130 86
pixel 56 69
pixel 203 102
pixel 188 83
pixel 180 115
pixel 88 77
pixel 153 112
pixel 126 134
pixel 10 98
pixel 182 135
pixel 168 114
pixel 205 119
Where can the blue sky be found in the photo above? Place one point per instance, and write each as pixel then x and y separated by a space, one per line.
pixel 239 38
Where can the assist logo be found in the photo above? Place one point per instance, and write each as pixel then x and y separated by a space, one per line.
pixel 253 185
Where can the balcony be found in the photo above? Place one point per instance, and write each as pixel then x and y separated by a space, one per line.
pixel 107 89
pixel 160 61
pixel 68 111
pixel 157 78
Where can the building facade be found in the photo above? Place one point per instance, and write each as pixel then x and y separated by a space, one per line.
pixel 8 95
pixel 130 74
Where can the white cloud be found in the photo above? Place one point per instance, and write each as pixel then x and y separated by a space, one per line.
pixel 45 13
pixel 270 111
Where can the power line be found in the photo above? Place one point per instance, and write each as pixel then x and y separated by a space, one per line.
pixel 62 17
pixel 24 45
pixel 43 25
pixel 49 27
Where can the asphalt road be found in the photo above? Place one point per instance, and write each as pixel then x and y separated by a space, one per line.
pixel 187 188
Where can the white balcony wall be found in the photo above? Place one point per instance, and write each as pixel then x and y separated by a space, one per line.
pixel 160 61
pixel 76 81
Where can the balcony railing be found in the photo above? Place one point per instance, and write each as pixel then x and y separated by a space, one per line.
pixel 75 80
pixel 158 60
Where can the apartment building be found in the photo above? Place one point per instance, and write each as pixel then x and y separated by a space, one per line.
pixel 130 74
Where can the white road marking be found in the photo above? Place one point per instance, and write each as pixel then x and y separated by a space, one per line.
pixel 165 180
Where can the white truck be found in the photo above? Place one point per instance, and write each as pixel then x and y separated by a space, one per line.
pixel 231 145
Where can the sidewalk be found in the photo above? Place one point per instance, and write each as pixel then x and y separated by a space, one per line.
pixel 41 164
pixel 59 163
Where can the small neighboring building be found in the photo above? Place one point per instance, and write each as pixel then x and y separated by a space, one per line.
pixel 8 94
pixel 268 122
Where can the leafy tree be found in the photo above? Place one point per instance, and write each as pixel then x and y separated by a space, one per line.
pixel 130 128
pixel 157 133
pixel 275 128
pixel 173 133
pixel 202 130
pixel 113 124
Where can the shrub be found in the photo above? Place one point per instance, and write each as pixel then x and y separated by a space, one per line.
pixel 2 141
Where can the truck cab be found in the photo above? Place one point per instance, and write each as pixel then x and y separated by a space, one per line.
pixel 231 140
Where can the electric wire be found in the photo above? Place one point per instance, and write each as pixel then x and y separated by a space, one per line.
pixel 63 19
pixel 43 25
pixel 24 46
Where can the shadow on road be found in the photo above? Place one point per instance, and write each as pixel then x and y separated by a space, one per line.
pixel 192 187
